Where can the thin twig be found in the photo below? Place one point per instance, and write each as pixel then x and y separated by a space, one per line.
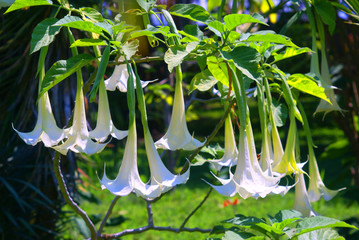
pixel 68 199
pixel 195 210
pixel 150 214
pixel 109 211
pixel 138 60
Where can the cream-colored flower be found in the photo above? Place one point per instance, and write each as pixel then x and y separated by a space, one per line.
pixel 249 180
pixel 230 149
pixel 45 129
pixel 301 202
pixel 317 189
pixel 119 78
pixel 105 126
pixel 78 137
pixel 177 135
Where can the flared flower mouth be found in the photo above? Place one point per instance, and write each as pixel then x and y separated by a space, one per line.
pixel 46 129
pixel 104 125
pixel 230 149
pixel 301 202
pixel 249 180
pixel 119 78
pixel 177 135
pixel 78 138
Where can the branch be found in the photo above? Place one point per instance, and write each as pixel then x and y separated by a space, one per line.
pixel 109 211
pixel 150 214
pixel 195 210
pixel 68 199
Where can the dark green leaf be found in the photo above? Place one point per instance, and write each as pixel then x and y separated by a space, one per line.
pixel 246 60
pixel 191 11
pixel 326 12
pixel 87 42
pixel 242 220
pixel 92 13
pixel 115 221
pixel 230 235
pixel 62 69
pixel 203 81
pixel 231 21
pixel 106 26
pixel 82 227
pixel 44 34
pixel 18 4
pixel 78 23
pixel 308 85
pixel 202 61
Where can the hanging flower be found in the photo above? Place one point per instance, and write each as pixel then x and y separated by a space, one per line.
pixel 230 149
pixel 177 135
pixel 119 79
pixel 78 138
pixel 128 178
pixel 45 129
pixel 288 165
pixel 317 188
pixel 249 180
pixel 105 126
pixel 301 202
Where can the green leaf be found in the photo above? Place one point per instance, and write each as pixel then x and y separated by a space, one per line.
pixel 147 6
pixel 280 113
pixel 242 220
pixel 92 13
pixel 216 27
pixel 326 12
pixel 219 70
pixel 308 85
pixel 246 60
pixel 130 48
pixel 193 12
pixel 44 34
pixel 231 21
pixel 284 215
pixel 230 235
pixel 203 81
pixel 87 42
pixel 78 23
pixel 175 54
pixel 18 4
pixel 320 222
pixel 270 37
pixel 193 32
pixel 150 31
pixel 13 192
pixel 100 72
pixel 290 52
pixel 62 69
pixel 326 233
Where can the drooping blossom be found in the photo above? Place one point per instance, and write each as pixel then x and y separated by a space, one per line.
pixel 230 149
pixel 104 125
pixel 301 202
pixel 45 129
pixel 177 135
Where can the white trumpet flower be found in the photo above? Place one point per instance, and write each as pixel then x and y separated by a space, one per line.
pixel 317 189
pixel 104 125
pixel 160 175
pixel 45 129
pixel 301 202
pixel 230 149
pixel 177 135
pixel 119 78
pixel 78 137
pixel 249 180
pixel 128 178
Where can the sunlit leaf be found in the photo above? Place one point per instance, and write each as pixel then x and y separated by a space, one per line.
pixel 18 4
pixel 290 52
pixel 203 81
pixel 193 12
pixel 87 42
pixel 231 21
pixel 130 48
pixel 62 69
pixel 273 38
pixel 175 54
pixel 92 13
pixel 219 70
pixel 44 34
pixel 78 23
pixel 308 85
